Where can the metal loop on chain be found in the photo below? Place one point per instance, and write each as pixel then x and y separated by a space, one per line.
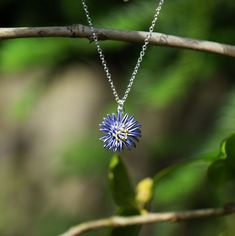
pixel 120 105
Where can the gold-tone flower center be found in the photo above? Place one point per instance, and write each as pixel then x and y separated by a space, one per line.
pixel 120 133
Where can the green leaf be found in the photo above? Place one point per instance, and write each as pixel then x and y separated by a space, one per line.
pixel 176 183
pixel 130 230
pixel 222 147
pixel 202 160
pixel 122 190
pixel 127 231
pixel 223 170
pixel 216 165
pixel 220 172
pixel 124 195
pixel 230 147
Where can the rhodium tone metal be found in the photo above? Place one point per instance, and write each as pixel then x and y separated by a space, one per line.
pixel 121 130
pixel 122 100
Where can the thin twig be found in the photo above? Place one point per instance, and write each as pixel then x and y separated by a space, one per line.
pixel 117 221
pixel 82 31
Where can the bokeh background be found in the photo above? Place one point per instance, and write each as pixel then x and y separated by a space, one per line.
pixel 53 94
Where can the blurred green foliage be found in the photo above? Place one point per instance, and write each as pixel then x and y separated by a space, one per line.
pixel 120 184
pixel 71 165
pixel 191 95
pixel 123 194
pixel 225 166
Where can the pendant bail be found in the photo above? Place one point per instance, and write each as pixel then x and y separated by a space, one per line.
pixel 120 107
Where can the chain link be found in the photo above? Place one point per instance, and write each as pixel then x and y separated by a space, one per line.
pixel 122 100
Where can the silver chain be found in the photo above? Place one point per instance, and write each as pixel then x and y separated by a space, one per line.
pixel 122 100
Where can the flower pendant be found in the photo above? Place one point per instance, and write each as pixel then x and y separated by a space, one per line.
pixel 122 131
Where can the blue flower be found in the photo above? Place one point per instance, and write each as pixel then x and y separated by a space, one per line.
pixel 122 131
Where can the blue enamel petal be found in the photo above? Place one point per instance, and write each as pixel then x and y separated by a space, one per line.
pixel 122 131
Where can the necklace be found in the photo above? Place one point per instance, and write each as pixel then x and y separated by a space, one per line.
pixel 121 130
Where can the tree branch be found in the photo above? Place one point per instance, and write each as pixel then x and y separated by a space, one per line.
pixel 81 31
pixel 117 221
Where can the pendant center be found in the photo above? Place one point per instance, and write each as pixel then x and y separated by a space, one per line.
pixel 121 131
